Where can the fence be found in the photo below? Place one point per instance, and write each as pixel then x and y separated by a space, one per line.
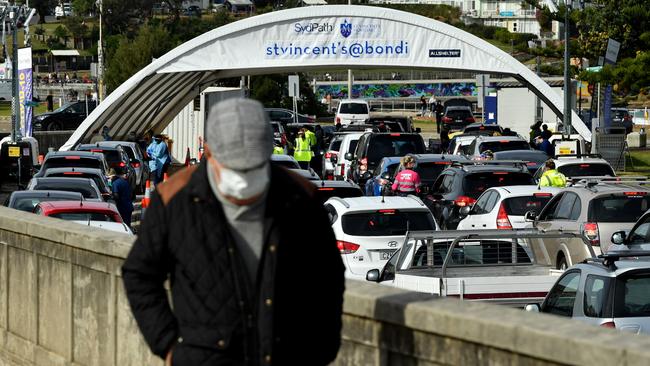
pixel 51 139
pixel 610 144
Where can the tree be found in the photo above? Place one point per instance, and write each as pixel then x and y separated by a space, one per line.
pixel 61 32
pixel 43 7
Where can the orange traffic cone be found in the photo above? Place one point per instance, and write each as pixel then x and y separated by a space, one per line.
pixel 41 157
pixel 165 177
pixel 200 149
pixel 147 195
pixel 187 157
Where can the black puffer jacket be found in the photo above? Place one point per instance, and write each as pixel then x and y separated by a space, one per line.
pixel 291 314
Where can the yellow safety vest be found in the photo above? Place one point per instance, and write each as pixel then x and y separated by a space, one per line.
pixel 277 150
pixel 311 137
pixel 302 151
pixel 552 178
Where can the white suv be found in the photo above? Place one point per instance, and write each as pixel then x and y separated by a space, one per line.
pixel 369 230
pixel 352 111
pixel 573 166
pixel 348 145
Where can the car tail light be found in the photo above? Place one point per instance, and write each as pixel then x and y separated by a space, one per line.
pixel 442 163
pixel 121 164
pixel 330 154
pixel 463 201
pixel 395 134
pixel 347 247
pixel 363 165
pixel 72 173
pixel 446 119
pixel 387 212
pixel 96 150
pixel 590 231
pixel 503 222
pixel 338 120
pixel 343 170
pixel 283 139
pixel 584 165
pixel 635 194
pixel 325 189
pixel 135 164
pixel 610 325
pixel 530 163
pixel 73 157
pixel 469 119
pixel 541 194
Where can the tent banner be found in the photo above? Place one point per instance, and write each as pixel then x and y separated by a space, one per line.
pixel 25 89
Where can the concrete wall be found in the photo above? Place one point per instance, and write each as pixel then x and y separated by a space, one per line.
pixel 62 303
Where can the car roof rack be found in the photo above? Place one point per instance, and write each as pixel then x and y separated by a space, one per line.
pixel 463 163
pixel 595 156
pixel 609 259
pixel 341 201
pixel 591 181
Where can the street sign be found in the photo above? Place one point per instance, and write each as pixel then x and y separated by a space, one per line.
pixel 594 69
pixel 294 89
pixel 613 46
pixel 14 151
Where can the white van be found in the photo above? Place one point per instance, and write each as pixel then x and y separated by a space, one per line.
pixel 352 111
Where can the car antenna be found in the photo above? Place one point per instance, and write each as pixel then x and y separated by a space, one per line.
pixel 322 183
pixel 383 192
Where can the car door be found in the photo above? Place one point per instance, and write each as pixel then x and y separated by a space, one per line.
pixel 561 214
pixel 441 202
pixel 481 215
pixel 561 299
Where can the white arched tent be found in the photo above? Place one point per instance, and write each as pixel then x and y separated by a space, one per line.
pixel 298 40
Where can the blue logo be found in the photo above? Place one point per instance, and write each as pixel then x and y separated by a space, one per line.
pixel 346 29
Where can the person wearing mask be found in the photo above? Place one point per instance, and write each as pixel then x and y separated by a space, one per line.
pixel 157 152
pixel 121 194
pixel 487 155
pixel 302 149
pixel 230 234
pixel 551 177
pixel 407 181
pixel 106 133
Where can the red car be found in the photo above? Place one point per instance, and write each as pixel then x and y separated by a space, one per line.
pixel 97 214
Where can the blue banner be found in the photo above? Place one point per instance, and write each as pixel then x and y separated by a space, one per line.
pixel 25 78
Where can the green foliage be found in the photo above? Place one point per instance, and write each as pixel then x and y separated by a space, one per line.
pixel 76 26
pixel 60 32
pixel 43 7
pixel 83 7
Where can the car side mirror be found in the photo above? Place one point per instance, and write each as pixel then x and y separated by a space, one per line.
pixel 619 237
pixel 530 216
pixel 366 176
pixel 373 275
pixel 533 308
pixel 465 210
pixel 386 176
pixel 349 156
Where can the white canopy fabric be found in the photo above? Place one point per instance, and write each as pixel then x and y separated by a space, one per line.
pixel 65 53
pixel 314 2
pixel 298 40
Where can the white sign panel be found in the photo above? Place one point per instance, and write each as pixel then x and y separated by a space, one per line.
pixel 613 46
pixel 294 89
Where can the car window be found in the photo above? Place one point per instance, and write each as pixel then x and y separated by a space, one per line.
pixel 596 297
pixel 397 144
pixel 632 295
pixel 83 216
pixel 518 206
pixel 447 184
pixel 335 145
pixel 430 171
pixel 353 108
pixel 586 169
pixel 481 204
pixel 641 234
pixel 504 145
pixel 388 273
pixel 332 215
pixel 561 298
pixel 494 198
pixel 353 146
pixel 72 162
pixel 386 222
pixel 565 210
pixel 627 207
pixel 548 212
pixel 476 183
pixel 479 252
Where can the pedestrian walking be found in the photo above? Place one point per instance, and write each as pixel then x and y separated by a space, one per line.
pixel 551 177
pixel 546 133
pixel 302 150
pixel 439 112
pixel 230 234
pixel 432 106
pixel 157 152
pixel 122 194
pixel 423 106
pixel 407 181
pixel 535 132
pixel 50 102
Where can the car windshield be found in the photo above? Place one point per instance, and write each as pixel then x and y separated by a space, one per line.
pixel 62 108
pixel 475 184
pixel 471 252
pixel 94 177
pixel 626 207
pixel 430 171
pixel 28 203
pixel 586 170
pixel 486 128
pixel 538 157
pixel 86 191
pixel 112 156
pixel 72 162
pixel 290 164
pixel 353 108
pixel 632 295
pixel 503 145
pixel 386 222
pixel 518 206
pixel 458 113
pixel 83 216
pixel 335 145
pixel 325 193
pixel 394 145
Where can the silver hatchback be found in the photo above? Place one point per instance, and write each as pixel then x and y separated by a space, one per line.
pixel 612 291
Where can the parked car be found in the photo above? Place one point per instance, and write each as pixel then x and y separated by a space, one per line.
pixel 117 158
pixel 97 214
pixel 331 155
pixel 192 11
pixel 579 166
pixel 95 174
pixel 369 229
pixel 27 200
pixel 373 146
pixel 67 117
pixel 534 158
pixel 611 292
pixel 73 159
pixel 504 207
pixel 496 144
pixel 85 186
pixel 352 111
pixel 459 144
pixel 457 118
pixel 287 116
pixel 462 183
pixel 326 189
pixel 136 160
pixel 621 117
pixel 595 209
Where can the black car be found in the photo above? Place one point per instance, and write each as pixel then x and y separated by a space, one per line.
pixel 27 200
pixel 327 189
pixel 67 117
pixel 95 174
pixel 533 158
pixel 392 123
pixel 483 129
pixel 373 146
pixel 456 118
pixel 85 186
pixel 621 117
pixel 72 159
pixel 461 184
pixel 193 11
pixel 286 116
pixel 117 158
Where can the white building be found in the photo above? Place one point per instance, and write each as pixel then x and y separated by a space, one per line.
pixel 513 15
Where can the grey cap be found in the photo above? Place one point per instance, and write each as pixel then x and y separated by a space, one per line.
pixel 239 134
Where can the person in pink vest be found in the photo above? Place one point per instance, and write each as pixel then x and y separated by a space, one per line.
pixel 407 180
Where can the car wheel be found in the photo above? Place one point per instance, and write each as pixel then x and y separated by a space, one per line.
pixel 54 126
pixel 562 264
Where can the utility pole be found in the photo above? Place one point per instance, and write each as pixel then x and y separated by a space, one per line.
pixel 100 57
pixel 538 102
pixel 567 78
pixel 15 105
pixel 349 72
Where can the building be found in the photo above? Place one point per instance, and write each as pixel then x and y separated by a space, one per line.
pixel 514 15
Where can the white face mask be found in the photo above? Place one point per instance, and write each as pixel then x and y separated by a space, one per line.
pixel 243 185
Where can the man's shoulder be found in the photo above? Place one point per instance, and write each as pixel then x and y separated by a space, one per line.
pixel 175 184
